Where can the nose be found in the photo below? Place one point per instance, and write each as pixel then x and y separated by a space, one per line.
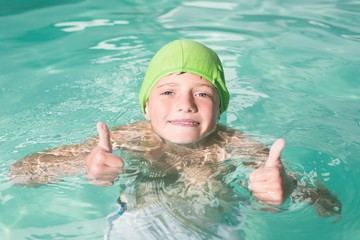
pixel 186 103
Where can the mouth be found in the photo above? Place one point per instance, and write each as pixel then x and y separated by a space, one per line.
pixel 185 123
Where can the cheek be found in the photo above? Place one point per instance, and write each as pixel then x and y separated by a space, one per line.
pixel 210 113
pixel 217 110
pixel 214 109
pixel 215 114
pixel 157 109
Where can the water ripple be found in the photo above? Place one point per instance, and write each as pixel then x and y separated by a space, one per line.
pixel 82 25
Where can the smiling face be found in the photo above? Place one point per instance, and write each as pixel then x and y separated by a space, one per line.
pixel 183 108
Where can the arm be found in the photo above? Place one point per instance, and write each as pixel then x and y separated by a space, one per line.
pixel 91 157
pixel 272 185
pixel 325 202
pixel 45 167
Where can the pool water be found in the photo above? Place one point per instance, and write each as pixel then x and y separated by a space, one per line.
pixel 292 68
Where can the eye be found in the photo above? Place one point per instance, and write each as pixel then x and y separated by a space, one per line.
pixel 167 93
pixel 204 95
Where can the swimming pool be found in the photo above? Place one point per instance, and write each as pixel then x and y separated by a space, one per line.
pixel 292 68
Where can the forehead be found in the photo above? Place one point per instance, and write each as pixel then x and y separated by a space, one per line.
pixel 186 79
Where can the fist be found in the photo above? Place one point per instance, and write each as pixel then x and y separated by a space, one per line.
pixel 270 184
pixel 103 167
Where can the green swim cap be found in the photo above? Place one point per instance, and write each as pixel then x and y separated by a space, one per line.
pixel 185 56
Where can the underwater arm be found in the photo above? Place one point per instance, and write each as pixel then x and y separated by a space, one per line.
pixel 45 167
pixel 93 158
pixel 325 202
pixel 271 185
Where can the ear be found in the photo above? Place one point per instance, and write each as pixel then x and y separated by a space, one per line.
pixel 146 111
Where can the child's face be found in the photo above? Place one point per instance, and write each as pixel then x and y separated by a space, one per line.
pixel 183 108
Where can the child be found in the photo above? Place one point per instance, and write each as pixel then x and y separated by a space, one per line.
pixel 182 97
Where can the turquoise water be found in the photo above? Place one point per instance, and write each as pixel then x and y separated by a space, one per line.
pixel 292 68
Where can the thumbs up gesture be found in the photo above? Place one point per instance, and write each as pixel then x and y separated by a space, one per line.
pixel 103 167
pixel 270 184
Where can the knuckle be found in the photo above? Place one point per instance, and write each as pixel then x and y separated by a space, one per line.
pixel 95 170
pixel 252 186
pixel 121 163
pixel 278 198
pixel 275 173
pixel 99 159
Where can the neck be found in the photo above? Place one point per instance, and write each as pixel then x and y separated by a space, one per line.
pixel 203 142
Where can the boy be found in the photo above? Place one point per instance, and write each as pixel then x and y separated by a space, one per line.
pixel 182 97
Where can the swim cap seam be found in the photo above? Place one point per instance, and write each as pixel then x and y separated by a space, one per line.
pixel 182 54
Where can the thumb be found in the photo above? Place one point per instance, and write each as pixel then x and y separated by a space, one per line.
pixel 104 137
pixel 274 154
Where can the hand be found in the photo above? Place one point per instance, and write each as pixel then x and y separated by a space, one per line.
pixel 103 166
pixel 270 184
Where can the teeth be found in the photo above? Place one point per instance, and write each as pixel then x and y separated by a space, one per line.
pixel 190 123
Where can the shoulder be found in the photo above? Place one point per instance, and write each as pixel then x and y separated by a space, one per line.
pixel 229 134
pixel 241 145
pixel 137 136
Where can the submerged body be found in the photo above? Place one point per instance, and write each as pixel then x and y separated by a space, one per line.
pixel 192 172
